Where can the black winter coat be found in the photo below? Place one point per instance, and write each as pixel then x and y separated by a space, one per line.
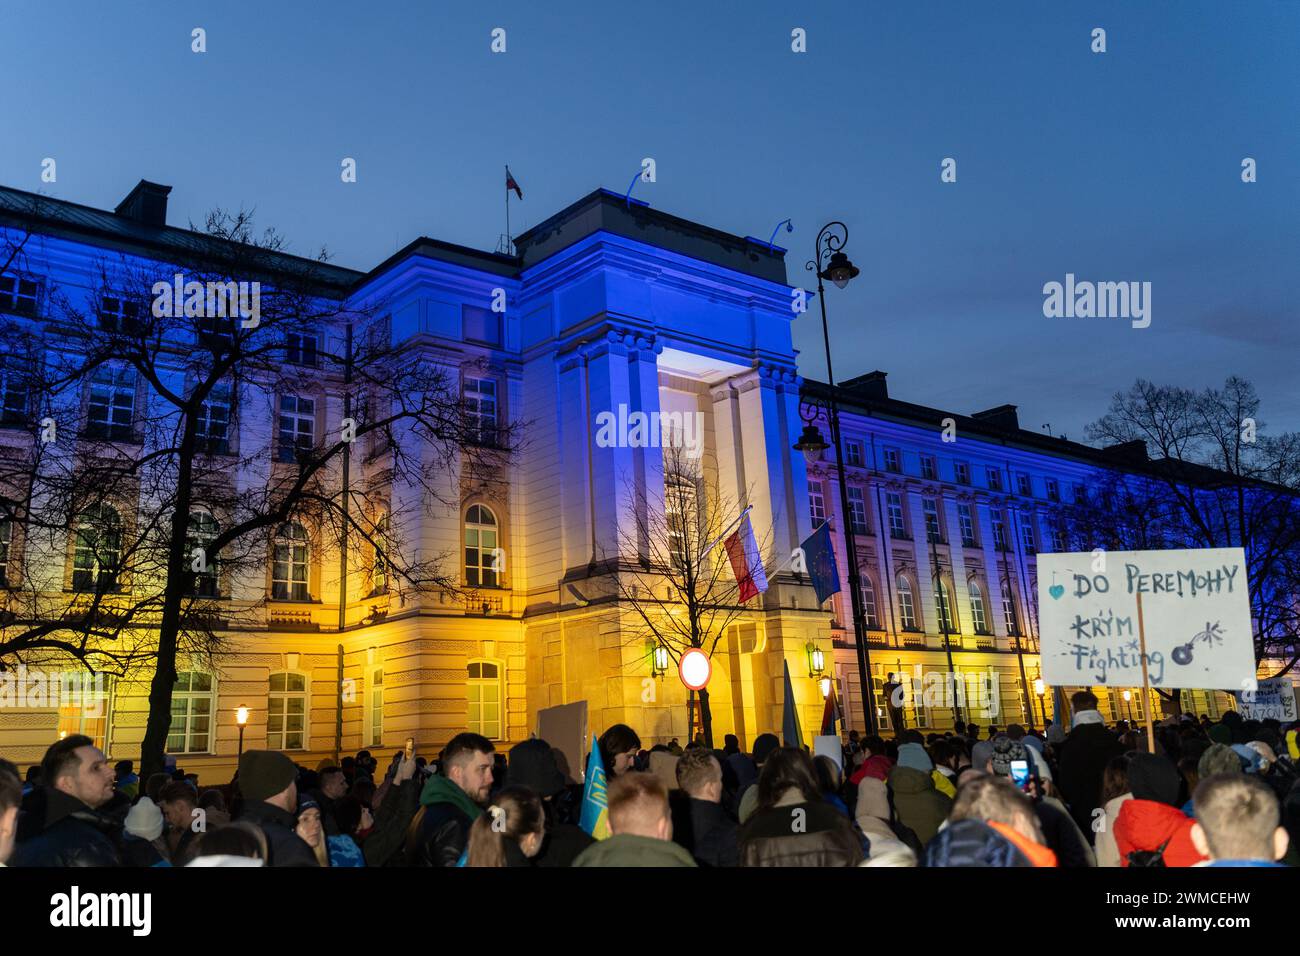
pixel 1082 766
pixel 74 835
pixel 442 837
pixel 285 847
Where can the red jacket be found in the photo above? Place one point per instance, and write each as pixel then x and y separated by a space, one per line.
pixel 877 765
pixel 1146 824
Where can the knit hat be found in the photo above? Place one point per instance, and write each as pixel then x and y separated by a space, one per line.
pixel 764 746
pixel 1221 734
pixel 264 773
pixel 1056 735
pixel 1005 750
pixel 914 756
pixel 980 754
pixel 1155 778
pixel 307 803
pixel 533 765
pixel 145 820
pixel 1218 758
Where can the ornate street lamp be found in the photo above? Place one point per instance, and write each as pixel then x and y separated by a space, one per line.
pixel 816 660
pixel 659 660
pixel 241 718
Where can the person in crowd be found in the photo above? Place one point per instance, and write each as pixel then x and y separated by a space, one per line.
pixel 1059 831
pixel 344 848
pixel 764 746
pixel 641 827
pixel 78 782
pixel 386 843
pixel 1115 793
pixel 232 845
pixel 1150 829
pixel 11 799
pixel 452 801
pixel 831 782
pixel 710 833
pixel 213 804
pixel 510 833
pixel 730 745
pixel 332 785
pixel 876 764
pixel 268 781
pixel 913 754
pixel 143 843
pixel 992 824
pixel 128 782
pixel 1082 760
pixel 916 798
pixel 533 764
pixel 889 843
pixel 792 824
pixel 311 831
pixel 619 746
pixel 1238 822
pixel 178 804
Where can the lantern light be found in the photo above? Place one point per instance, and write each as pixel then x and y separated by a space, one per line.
pixel 241 715
pixel 825 685
pixel 1039 687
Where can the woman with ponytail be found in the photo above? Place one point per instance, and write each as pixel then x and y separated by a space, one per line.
pixel 510 833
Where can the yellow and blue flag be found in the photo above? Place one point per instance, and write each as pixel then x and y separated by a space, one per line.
pixel 595 804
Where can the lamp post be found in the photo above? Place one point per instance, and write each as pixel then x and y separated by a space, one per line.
pixel 941 601
pixel 1040 689
pixel 241 718
pixel 1128 703
pixel 830 262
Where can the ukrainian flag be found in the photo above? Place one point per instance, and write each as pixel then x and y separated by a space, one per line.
pixel 595 805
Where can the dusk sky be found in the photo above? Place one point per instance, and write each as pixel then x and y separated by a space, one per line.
pixel 1115 166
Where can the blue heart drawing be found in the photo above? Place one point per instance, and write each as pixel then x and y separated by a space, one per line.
pixel 1056 590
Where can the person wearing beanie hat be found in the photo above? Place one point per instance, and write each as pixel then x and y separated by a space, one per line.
pixel 1060 833
pixel 142 840
pixel 1151 824
pixel 1221 734
pixel 533 764
pixel 764 745
pixel 268 781
pixel 1218 758
pixel 980 755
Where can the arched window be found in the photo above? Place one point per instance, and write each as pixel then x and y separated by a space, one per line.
pixel 286 711
pixel 869 602
pixel 203 528
pixel 978 615
pixel 485 699
pixel 98 549
pixel 480 547
pixel 906 606
pixel 291 561
pixel 192 704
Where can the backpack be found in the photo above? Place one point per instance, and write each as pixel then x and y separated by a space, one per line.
pixel 1149 857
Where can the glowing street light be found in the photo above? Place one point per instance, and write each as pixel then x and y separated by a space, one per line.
pixel 241 718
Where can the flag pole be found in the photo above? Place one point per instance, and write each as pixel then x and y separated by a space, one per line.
pixel 1146 681
pixel 509 243
pixel 739 518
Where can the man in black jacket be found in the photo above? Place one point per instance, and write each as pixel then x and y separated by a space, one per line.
pixel 1082 762
pixel 78 781
pixel 452 801
pixel 711 834
pixel 268 781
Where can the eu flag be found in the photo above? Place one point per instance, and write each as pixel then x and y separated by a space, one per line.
pixel 595 804
pixel 819 558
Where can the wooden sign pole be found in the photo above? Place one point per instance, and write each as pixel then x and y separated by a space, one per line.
pixel 1146 680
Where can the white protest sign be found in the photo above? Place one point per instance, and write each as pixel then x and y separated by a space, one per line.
pixel 1195 606
pixel 1274 698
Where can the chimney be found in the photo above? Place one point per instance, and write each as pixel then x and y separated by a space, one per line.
pixel 870 386
pixel 1004 416
pixel 147 204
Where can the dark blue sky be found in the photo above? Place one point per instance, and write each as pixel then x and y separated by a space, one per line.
pixel 1116 166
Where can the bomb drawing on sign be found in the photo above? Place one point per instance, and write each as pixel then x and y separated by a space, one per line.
pixel 1212 634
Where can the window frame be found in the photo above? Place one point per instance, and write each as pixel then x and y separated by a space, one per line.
pixel 190 696
pixel 284 696
pixel 496 683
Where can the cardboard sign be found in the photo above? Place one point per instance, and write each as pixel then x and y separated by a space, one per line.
pixel 1195 606
pixel 1274 698
pixel 564 727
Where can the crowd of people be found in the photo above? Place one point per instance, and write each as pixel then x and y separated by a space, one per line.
pixel 1212 794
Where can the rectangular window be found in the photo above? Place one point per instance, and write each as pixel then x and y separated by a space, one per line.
pixel 853 453
pixel 857 510
pixel 481 409
pixel 1053 490
pixel 111 414
pixel 1009 610
pixel 119 314
pixel 375 707
pixel 928 469
pixel 893 460
pixel 84 703
pixel 1024 485
pixel 897 525
pixel 967 522
pixel 302 350
pixel 816 503
pixel 485 699
pixel 15 389
pixel 1060 541
pixel 869 602
pixel 286 712
pixel 1027 534
pixel 297 426
pixel 933 530
pixel 212 425
pixel 192 700
pixel 19 295
pixel 962 470
pixel 995 478
pixel 999 523
pixel 1079 492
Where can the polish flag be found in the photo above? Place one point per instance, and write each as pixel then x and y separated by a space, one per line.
pixel 511 184
pixel 746 565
